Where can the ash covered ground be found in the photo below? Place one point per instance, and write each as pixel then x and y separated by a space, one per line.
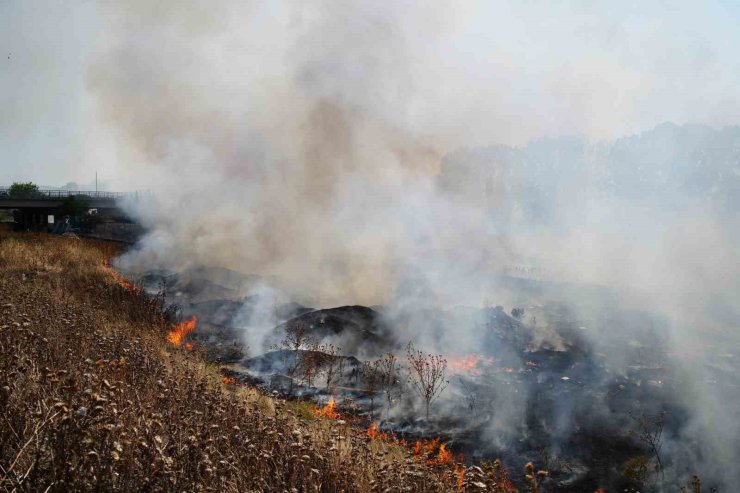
pixel 592 392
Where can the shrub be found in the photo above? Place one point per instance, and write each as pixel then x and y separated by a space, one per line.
pixel 28 189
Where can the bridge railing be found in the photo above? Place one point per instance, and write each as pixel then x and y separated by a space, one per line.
pixel 59 194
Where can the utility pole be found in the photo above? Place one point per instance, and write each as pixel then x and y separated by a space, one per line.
pixel 96 182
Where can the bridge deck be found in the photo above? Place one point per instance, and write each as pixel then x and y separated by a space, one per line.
pixel 50 199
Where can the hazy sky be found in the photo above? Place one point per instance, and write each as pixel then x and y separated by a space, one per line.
pixel 481 72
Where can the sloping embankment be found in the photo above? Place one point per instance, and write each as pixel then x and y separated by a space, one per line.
pixel 93 399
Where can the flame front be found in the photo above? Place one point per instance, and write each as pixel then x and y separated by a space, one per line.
pixel 328 411
pixel 425 448
pixel 181 330
pixel 119 278
pixel 229 380
pixel 469 363
pixel 434 453
pixel 374 433
pixel 444 456
pixel 459 473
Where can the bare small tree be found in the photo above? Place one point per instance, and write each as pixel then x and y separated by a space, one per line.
pixel 390 381
pixel 296 339
pixel 332 362
pixel 311 360
pixel 426 374
pixel 695 486
pixel 650 432
pixel 373 375
pixel 477 397
pixel 471 395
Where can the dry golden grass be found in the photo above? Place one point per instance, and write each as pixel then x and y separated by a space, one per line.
pixel 93 398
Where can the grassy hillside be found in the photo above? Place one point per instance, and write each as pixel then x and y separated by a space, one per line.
pixel 92 397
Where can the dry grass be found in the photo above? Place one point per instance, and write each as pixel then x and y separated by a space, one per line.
pixel 93 398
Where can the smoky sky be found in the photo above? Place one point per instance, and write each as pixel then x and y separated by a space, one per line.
pixel 304 141
pixel 453 74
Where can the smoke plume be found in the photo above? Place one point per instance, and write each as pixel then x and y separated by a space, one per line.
pixel 309 144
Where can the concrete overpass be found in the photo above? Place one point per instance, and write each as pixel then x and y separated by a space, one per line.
pixel 51 199
pixel 32 209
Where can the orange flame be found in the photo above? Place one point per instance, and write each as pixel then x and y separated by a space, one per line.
pixel 119 278
pixel 469 363
pixel 181 330
pixel 444 456
pixel 459 473
pixel 417 450
pixel 328 411
pixel 425 448
pixel 229 380
pixel 374 432
pixel 434 453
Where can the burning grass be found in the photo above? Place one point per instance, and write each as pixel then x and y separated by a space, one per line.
pixel 177 335
pixel 118 278
pixel 93 398
pixel 469 364
pixel 328 411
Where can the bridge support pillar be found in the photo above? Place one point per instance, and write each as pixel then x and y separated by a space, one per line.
pixel 28 220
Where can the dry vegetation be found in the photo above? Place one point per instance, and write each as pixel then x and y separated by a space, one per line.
pixel 92 397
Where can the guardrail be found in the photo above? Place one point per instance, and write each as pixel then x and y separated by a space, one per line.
pixel 59 194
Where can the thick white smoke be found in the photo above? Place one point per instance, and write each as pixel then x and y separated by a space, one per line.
pixel 289 134
pixel 304 142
